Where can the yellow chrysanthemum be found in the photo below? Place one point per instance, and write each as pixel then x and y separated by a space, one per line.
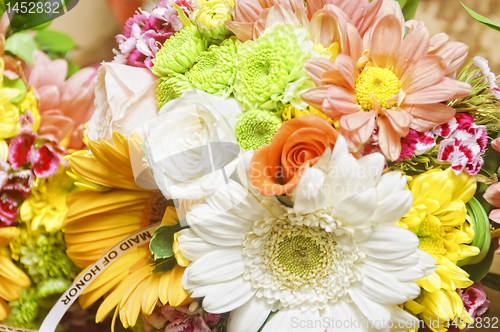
pixel 437 307
pixel 46 204
pixel 438 218
pixel 30 103
pixel 101 216
pixel 12 279
pixel 9 113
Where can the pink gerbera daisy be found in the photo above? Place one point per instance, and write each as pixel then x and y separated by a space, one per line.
pixel 392 83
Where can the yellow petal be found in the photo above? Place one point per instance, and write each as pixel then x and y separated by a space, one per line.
pixel 176 294
pixel 163 288
pixel 150 294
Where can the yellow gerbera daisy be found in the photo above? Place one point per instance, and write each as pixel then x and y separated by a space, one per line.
pixel 12 279
pixel 438 218
pixel 112 207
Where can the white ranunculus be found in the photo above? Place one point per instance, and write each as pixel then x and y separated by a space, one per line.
pixel 124 99
pixel 191 146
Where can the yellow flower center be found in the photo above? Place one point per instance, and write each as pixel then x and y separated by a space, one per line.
pixel 299 254
pixel 380 82
pixel 431 235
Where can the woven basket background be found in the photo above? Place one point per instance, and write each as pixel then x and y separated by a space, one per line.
pixel 5 328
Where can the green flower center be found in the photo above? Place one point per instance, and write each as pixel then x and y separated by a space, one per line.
pixel 379 82
pixel 431 235
pixel 299 254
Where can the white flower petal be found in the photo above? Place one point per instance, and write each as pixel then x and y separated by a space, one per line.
pixel 341 149
pixel 193 247
pixel 344 317
pixel 217 266
pixel 394 265
pixel 215 227
pixel 227 296
pixel 308 196
pixel 390 182
pixel 373 311
pixel 389 242
pixel 236 200
pixel 356 209
pixel 288 320
pixel 342 179
pixel 250 316
pixel 392 208
pixel 384 287
pixel 371 168
pixel 402 320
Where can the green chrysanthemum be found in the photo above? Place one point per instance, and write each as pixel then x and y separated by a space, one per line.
pixel 271 69
pixel 256 128
pixel 179 52
pixel 25 311
pixel 211 19
pixel 215 69
pixel 171 87
pixel 43 255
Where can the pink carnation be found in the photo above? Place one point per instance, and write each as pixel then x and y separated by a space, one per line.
pixel 9 210
pixel 145 33
pixel 45 161
pixel 181 319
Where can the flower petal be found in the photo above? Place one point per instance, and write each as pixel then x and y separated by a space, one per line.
pixel 427 71
pixel 387 36
pixel 356 209
pixel 389 139
pixel 414 46
pixel 445 90
pixel 215 267
pixel 227 296
pixel 216 227
pixel 284 320
pixel 316 67
pixel 250 316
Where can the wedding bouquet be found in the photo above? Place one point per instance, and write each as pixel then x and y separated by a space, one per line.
pixel 305 166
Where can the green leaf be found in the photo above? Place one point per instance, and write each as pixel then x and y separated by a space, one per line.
pixel 478 271
pixel 481 19
pixel 55 41
pixel 492 280
pixel 73 68
pixel 163 265
pixel 163 240
pixel 482 234
pixel 409 8
pixel 22 45
pixel 15 84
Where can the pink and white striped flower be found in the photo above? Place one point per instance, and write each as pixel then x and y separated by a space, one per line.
pixel 463 149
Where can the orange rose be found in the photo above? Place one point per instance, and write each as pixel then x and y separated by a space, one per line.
pixel 276 167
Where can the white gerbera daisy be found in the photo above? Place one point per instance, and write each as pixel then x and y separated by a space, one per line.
pixel 331 262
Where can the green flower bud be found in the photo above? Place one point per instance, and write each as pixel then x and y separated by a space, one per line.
pixel 211 19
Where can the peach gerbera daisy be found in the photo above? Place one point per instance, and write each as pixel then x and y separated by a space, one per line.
pixel 393 83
